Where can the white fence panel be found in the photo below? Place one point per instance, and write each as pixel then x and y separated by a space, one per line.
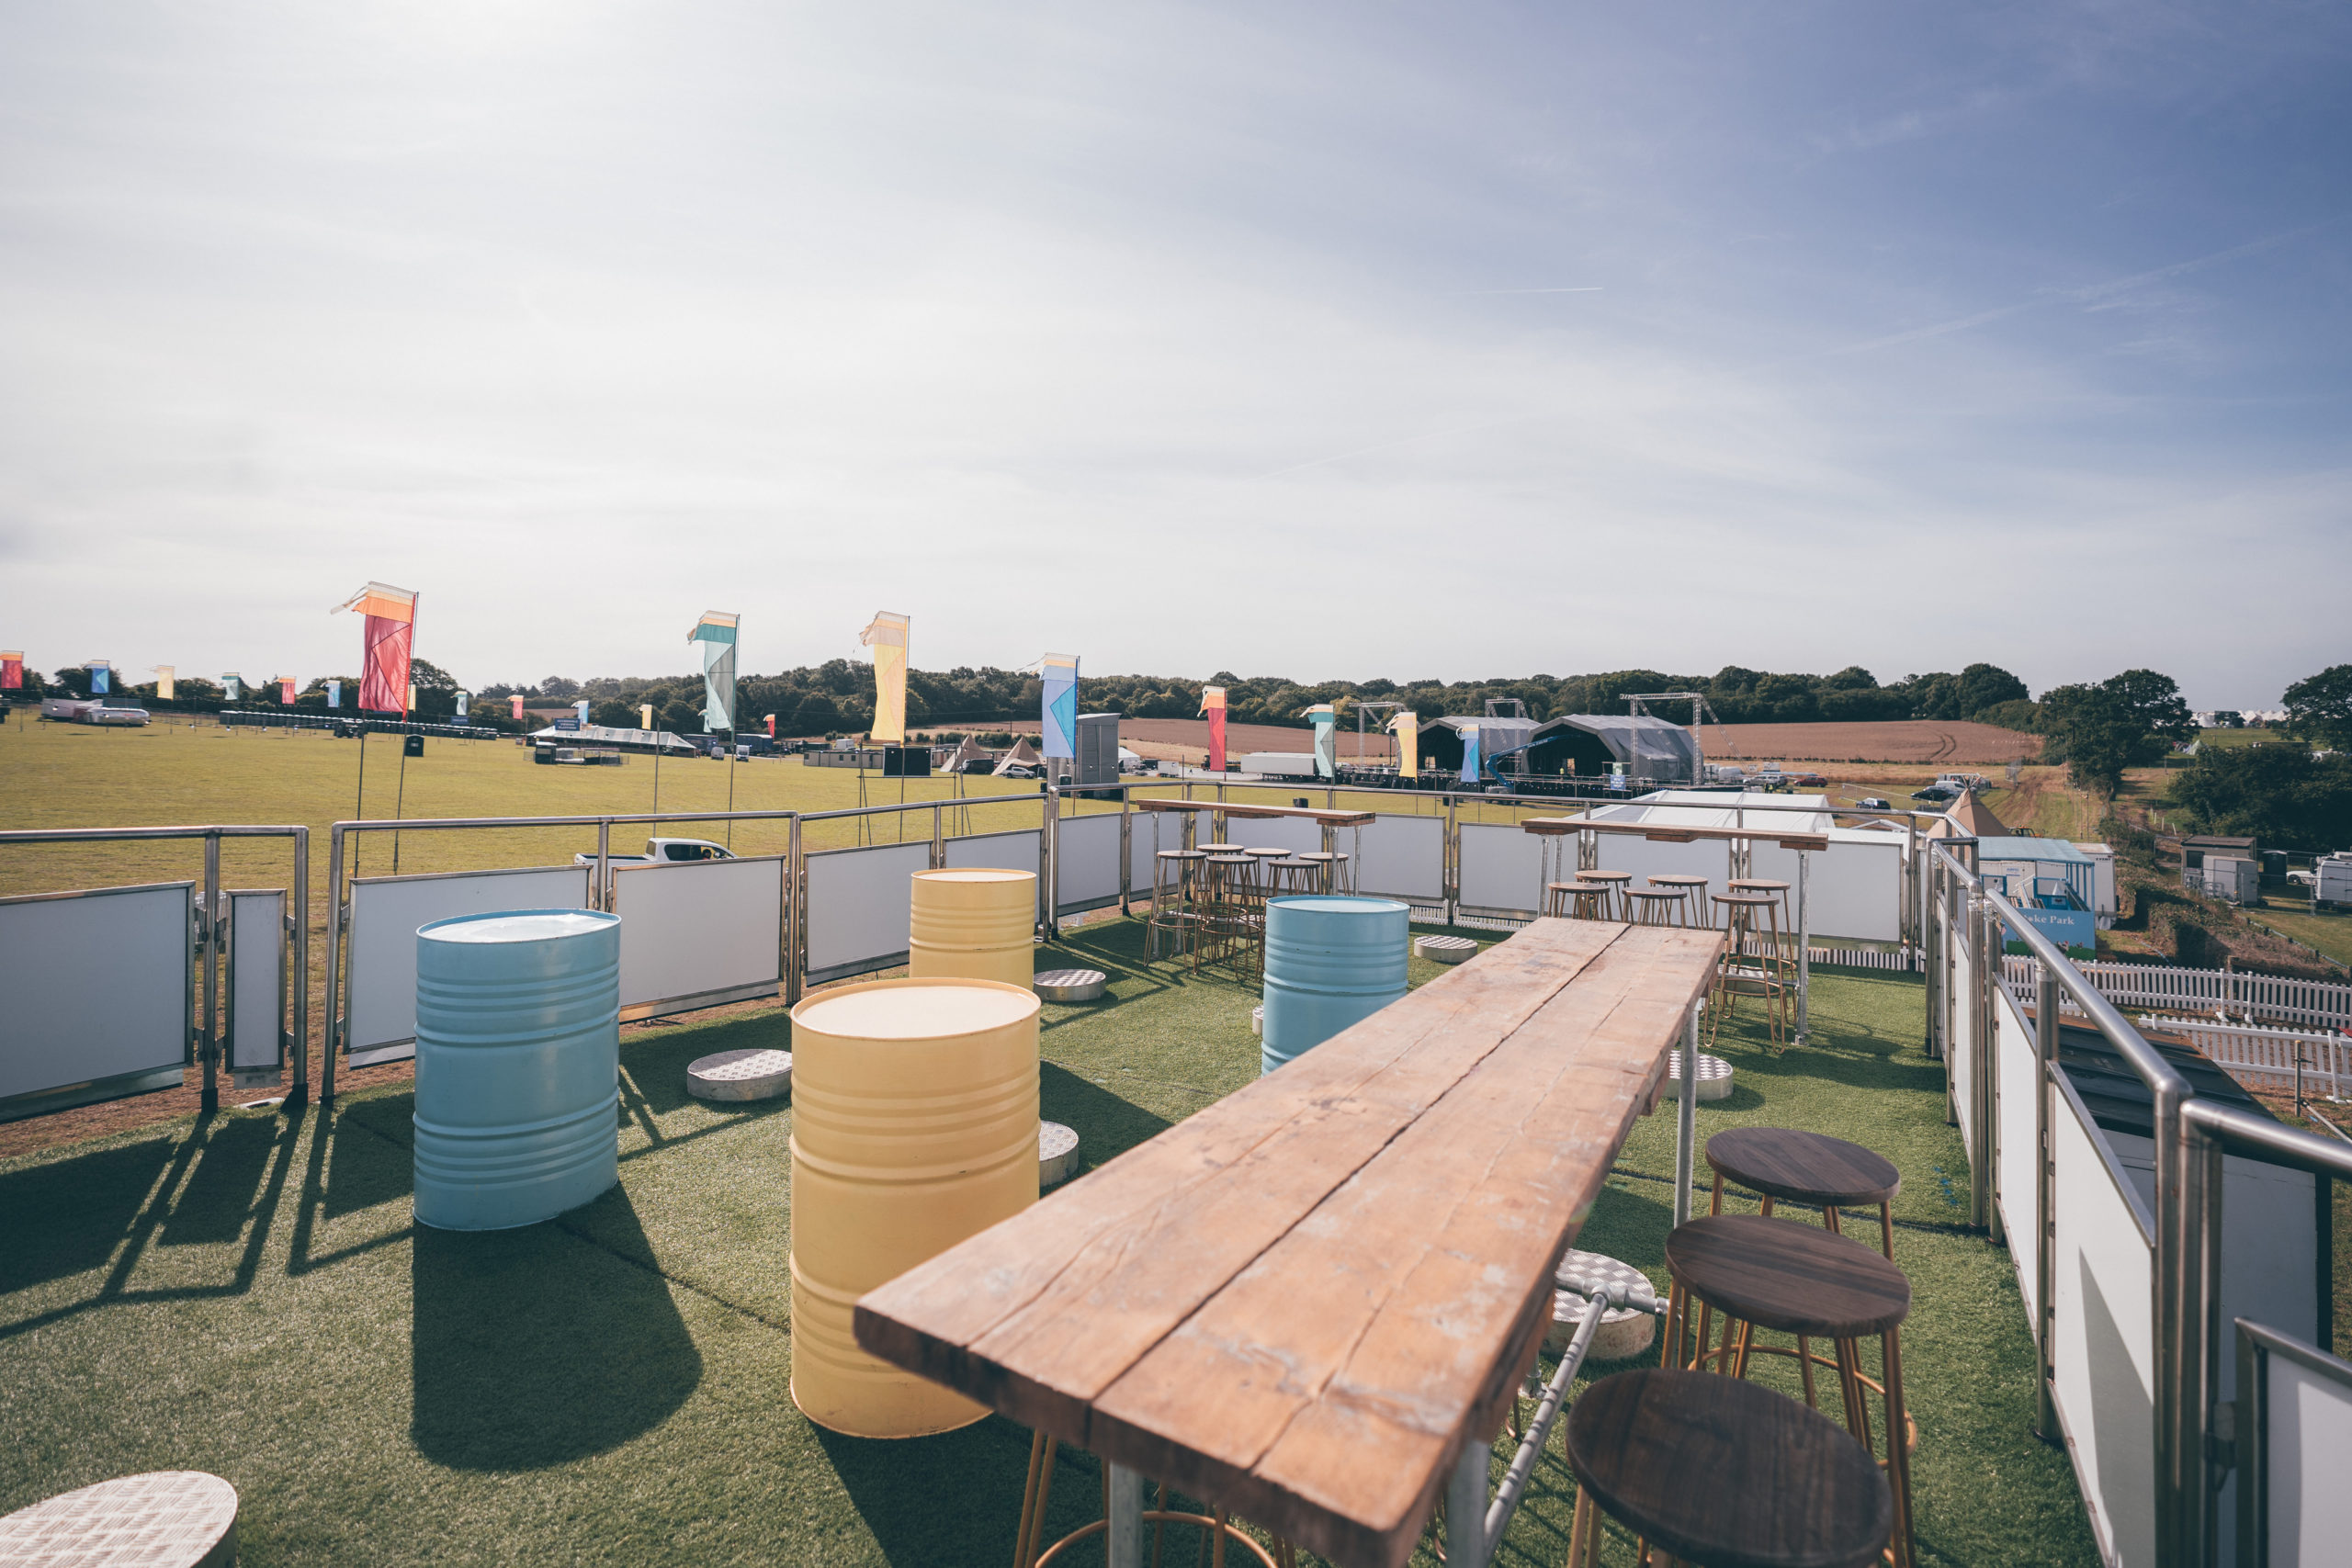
pixel 1151 832
pixel 1961 997
pixel 99 998
pixel 987 851
pixel 2017 1080
pixel 257 979
pixel 1298 834
pixel 2318 1003
pixel 2309 1432
pixel 385 914
pixel 1404 857
pixel 2265 1058
pixel 698 933
pixel 858 906
pixel 1645 859
pixel 2105 1340
pixel 1086 862
pixel 1852 890
pixel 1502 867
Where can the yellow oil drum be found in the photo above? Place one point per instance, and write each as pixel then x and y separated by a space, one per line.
pixel 914 1127
pixel 974 924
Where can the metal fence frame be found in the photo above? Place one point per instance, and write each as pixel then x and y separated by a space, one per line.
pixel 211 920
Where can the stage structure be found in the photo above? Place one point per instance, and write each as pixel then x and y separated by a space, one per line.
pixel 885 634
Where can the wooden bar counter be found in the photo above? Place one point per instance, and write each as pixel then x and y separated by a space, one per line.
pixel 1303 1301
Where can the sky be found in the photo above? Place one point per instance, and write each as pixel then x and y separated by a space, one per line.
pixel 1334 341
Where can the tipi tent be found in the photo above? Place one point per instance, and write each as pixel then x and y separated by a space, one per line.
pixel 1022 756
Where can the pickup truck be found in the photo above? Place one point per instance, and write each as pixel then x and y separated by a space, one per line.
pixel 659 851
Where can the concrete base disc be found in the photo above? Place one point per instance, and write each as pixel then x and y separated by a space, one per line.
pixel 1444 949
pixel 1714 1077
pixel 1625 1332
pixel 1056 1154
pixel 1072 985
pixel 166 1519
pixel 741 1074
pixel 1258 1020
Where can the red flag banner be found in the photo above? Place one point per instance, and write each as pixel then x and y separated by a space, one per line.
pixel 12 670
pixel 285 691
pixel 518 708
pixel 1212 705
pixel 384 646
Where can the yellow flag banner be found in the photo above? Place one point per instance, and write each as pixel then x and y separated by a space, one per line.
pixel 1407 727
pixel 887 636
pixel 163 677
pixel 645 716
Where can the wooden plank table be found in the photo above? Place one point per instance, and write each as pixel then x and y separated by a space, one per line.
pixel 1304 1303
pixel 1329 819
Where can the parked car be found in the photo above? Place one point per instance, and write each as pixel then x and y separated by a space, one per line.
pixel 664 851
pixel 1938 790
pixel 1872 803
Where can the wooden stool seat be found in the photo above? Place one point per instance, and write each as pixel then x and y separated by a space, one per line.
pixel 1804 1168
pixel 1692 887
pixel 1788 1277
pixel 1723 1473
pixel 1758 885
pixel 1219 849
pixel 1577 900
pixel 1655 906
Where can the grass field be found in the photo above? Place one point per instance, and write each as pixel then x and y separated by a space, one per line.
pixel 247 1293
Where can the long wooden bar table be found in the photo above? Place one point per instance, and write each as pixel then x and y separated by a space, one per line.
pixel 1307 1301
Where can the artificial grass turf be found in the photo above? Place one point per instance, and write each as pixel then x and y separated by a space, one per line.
pixel 246 1293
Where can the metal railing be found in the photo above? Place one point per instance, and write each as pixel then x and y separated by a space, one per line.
pixel 209 1044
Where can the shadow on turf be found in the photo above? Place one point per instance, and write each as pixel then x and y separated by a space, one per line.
pixel 533 1346
pixel 895 1488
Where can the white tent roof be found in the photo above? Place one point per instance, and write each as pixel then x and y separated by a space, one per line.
pixel 1719 808
pixel 605 734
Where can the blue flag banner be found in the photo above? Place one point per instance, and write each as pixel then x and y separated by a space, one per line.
pixel 715 632
pixel 1326 739
pixel 334 693
pixel 101 677
pixel 1057 673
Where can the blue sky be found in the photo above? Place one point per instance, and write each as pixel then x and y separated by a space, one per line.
pixel 1325 341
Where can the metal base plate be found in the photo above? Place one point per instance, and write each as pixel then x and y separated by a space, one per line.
pixel 1626 1331
pixel 1444 949
pixel 1072 985
pixel 741 1074
pixel 1056 1154
pixel 167 1519
pixel 1714 1077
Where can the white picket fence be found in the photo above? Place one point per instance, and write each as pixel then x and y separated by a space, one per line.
pixel 2317 1003
pixel 2265 1058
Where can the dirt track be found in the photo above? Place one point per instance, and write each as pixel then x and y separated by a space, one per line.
pixel 1893 740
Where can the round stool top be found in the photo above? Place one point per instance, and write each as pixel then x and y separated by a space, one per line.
pixel 1231 857
pixel 976 873
pixel 740 1075
pixel 1779 1274
pixel 1578 887
pixel 1183 855
pixel 1744 900
pixel 1677 879
pixel 1758 885
pixel 166 1519
pixel 1804 1168
pixel 1674 893
pixel 1319 856
pixel 1606 876
pixel 914 1010
pixel 1267 853
pixel 1220 848
pixel 1777 1485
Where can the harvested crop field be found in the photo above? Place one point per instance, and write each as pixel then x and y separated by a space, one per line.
pixel 1891 740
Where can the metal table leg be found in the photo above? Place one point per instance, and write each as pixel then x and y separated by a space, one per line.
pixel 1126 1531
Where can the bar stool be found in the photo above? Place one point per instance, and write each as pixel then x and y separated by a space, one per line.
pixel 1217 1525
pixel 1741 973
pixel 1233 912
pixel 1782 1164
pixel 1656 906
pixel 1175 900
pixel 1576 901
pixel 1694 892
pixel 1721 1473
pixel 1266 859
pixel 1765 1273
pixel 1294 875
pixel 1332 865
pixel 1615 882
pixel 1779 890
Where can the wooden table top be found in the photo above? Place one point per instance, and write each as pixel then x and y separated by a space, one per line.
pixel 1672 833
pixel 1302 1302
pixel 1235 808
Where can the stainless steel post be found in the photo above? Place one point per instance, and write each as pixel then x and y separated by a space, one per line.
pixel 2045 1205
pixel 209 1037
pixel 1126 847
pixel 602 898
pixel 1466 1506
pixel 1045 862
pixel 1996 1223
pixel 1125 1545
pixel 298 1095
pixel 1686 1118
pixel 331 1030
pixel 2183 1296
pixel 938 837
pixel 795 894
pixel 1805 950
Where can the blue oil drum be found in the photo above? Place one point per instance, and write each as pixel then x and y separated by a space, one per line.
pixel 1333 960
pixel 517 1066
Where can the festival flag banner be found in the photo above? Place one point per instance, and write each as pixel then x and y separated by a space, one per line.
pixel 12 669
pixel 385 644
pixel 464 698
pixel 101 676
pixel 581 707
pixel 233 686
pixel 518 708
pixel 1212 705
pixel 334 693
pixel 1407 727
pixel 771 727
pixel 285 691
pixel 885 634
pixel 165 676
pixel 1057 673
pixel 1469 753
pixel 645 716
pixel 715 632
pixel 1326 739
